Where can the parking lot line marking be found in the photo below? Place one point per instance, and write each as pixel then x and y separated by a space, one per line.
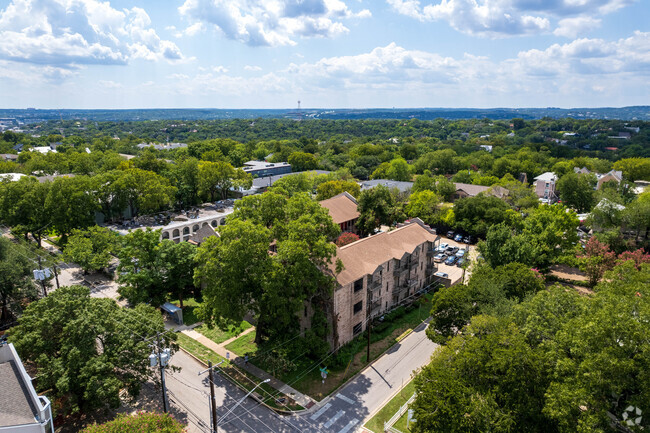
pixel 344 398
pixel 351 424
pixel 320 411
pixel 335 418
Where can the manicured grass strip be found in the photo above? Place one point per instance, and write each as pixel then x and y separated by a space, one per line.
pixel 219 336
pixel 244 345
pixel 198 350
pixel 376 423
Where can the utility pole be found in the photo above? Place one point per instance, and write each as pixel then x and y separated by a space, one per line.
pixel 56 276
pixel 161 358
pixel 213 404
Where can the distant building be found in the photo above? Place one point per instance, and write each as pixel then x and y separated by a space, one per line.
pixel 12 177
pixel 166 146
pixel 610 176
pixel 43 149
pixel 343 210
pixel 21 409
pixel 545 186
pixel 8 157
pixel 380 273
pixel 261 184
pixel 486 147
pixel 263 168
pixel 390 184
pixel 468 190
pixel 205 232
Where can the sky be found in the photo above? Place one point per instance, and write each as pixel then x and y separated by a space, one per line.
pixel 324 53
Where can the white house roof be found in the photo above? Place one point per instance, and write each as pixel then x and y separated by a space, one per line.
pixel 11 176
pixel 548 176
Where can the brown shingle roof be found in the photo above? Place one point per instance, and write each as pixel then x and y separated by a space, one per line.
pixel 202 234
pixel 365 255
pixel 342 207
pixel 474 190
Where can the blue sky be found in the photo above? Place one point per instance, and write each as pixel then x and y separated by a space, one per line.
pixel 325 53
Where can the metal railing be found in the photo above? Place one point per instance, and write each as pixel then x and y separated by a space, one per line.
pixel 388 425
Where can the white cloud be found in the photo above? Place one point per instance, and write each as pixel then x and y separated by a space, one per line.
pixel 252 68
pixel 62 33
pixel 498 18
pixel 573 27
pixel 272 23
pixel 108 84
pixel 220 69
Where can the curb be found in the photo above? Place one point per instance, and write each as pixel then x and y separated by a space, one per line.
pixel 253 396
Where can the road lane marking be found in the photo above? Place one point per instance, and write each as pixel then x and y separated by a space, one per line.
pixel 335 418
pixel 351 424
pixel 315 416
pixel 344 398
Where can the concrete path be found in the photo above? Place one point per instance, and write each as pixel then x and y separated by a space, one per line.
pixel 220 349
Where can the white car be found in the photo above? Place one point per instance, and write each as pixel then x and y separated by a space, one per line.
pixel 438 258
pixel 441 275
pixel 442 247
pixel 461 252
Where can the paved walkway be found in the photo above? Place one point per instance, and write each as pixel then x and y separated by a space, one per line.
pixel 302 399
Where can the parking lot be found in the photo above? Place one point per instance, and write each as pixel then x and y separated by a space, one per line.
pixel 455 273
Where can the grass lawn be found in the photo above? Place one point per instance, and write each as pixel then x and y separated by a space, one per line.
pixel 189 305
pixel 243 378
pixel 219 336
pixel 244 345
pixel 376 423
pixel 198 350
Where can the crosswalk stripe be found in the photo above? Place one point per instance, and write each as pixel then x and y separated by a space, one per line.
pixel 344 398
pixel 320 411
pixel 351 424
pixel 335 418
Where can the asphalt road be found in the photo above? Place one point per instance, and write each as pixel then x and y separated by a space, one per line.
pixel 343 412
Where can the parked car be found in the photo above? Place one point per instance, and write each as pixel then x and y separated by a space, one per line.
pixel 450 234
pixel 461 253
pixel 451 260
pixel 442 247
pixel 468 239
pixel 458 238
pixel 461 261
pixel 440 257
pixel 452 250
pixel 441 275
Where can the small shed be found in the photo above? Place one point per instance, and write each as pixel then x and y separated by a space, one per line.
pixel 176 313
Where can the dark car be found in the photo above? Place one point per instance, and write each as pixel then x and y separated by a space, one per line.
pixel 450 234
pixel 461 261
pixel 450 260
pixel 458 238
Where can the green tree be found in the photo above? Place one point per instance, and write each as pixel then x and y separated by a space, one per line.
pixel 71 204
pixel 217 178
pixel 424 205
pixel 239 276
pixel 376 208
pixel 22 206
pixel 476 214
pixel 143 191
pixel 177 268
pixel 86 350
pixel 634 168
pixel 334 187
pixel 91 249
pixel 301 161
pixel 399 170
pixel 16 284
pixel 140 274
pixel 577 191
pixel 486 379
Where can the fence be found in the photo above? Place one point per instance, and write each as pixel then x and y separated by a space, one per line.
pixel 388 425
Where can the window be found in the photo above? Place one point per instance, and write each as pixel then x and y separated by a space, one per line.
pixel 305 311
pixel 357 329
pixel 358 285
pixel 357 307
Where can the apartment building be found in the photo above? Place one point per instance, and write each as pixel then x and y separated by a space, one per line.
pixel 545 186
pixel 380 273
pixel 343 210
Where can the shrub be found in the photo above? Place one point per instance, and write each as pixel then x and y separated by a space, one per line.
pixel 142 422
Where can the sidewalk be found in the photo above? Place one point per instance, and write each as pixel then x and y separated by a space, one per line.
pixel 300 398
